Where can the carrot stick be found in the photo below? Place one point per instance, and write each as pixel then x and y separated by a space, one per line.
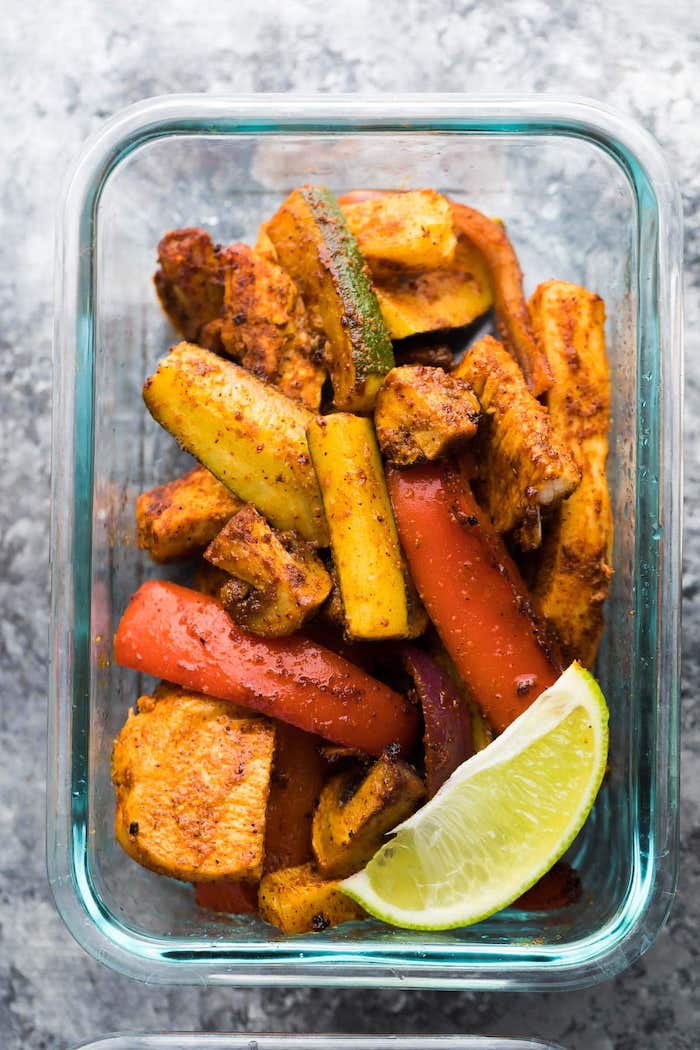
pixel 182 636
pixel 472 591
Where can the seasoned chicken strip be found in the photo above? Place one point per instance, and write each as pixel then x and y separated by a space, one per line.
pixel 238 302
pixel 192 776
pixel 423 413
pixel 264 325
pixel 575 571
pixel 525 465
pixel 284 580
pixel 179 518
pixel 189 281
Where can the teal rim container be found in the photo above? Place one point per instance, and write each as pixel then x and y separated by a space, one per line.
pixel 587 197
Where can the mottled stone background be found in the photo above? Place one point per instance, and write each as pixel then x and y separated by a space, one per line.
pixel 66 66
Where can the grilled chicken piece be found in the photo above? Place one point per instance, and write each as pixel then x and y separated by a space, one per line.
pixel 238 302
pixel 192 776
pixel 189 280
pixel 423 414
pixel 525 465
pixel 575 570
pixel 354 814
pixel 264 325
pixel 279 581
pixel 299 900
pixel 180 518
pixel 506 280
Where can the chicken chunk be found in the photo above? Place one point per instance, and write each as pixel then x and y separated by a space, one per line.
pixel 575 570
pixel 352 818
pixel 525 465
pixel 299 900
pixel 241 303
pixel 263 325
pixel 284 580
pixel 192 776
pixel 189 281
pixel 180 518
pixel 422 414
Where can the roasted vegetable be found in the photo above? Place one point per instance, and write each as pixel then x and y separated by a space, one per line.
pixel 178 519
pixel 189 281
pixel 575 570
pixel 423 414
pixel 436 299
pixel 523 464
pixel 449 296
pixel 286 580
pixel 192 779
pixel 315 246
pixel 366 553
pixel 472 591
pixel 181 636
pixel 299 900
pixel 352 818
pixel 448 725
pixel 297 779
pixel 506 279
pixel 248 434
pixel 235 898
pixel 263 325
pixel 412 230
pixel 481 732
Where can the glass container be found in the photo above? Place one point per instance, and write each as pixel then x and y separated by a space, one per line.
pixel 587 197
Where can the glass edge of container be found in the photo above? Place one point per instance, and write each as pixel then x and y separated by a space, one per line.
pixel 299 1041
pixel 496 114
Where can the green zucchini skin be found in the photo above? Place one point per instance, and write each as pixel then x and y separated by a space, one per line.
pixel 315 245
pixel 366 551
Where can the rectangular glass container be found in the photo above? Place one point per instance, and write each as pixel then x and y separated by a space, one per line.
pixel 587 197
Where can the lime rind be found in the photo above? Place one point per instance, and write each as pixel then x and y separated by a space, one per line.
pixel 425 836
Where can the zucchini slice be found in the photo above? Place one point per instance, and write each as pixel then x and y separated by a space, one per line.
pixel 313 243
pixel 408 230
pixel 247 433
pixel 366 552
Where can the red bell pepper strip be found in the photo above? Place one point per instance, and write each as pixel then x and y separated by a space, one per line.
pixel 185 637
pixel 297 779
pixel 236 898
pixel 471 590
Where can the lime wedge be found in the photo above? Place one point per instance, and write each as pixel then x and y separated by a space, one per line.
pixel 501 820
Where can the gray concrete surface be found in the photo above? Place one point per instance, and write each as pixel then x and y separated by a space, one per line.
pixel 66 66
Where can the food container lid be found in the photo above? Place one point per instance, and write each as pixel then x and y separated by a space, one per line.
pixel 241 1041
